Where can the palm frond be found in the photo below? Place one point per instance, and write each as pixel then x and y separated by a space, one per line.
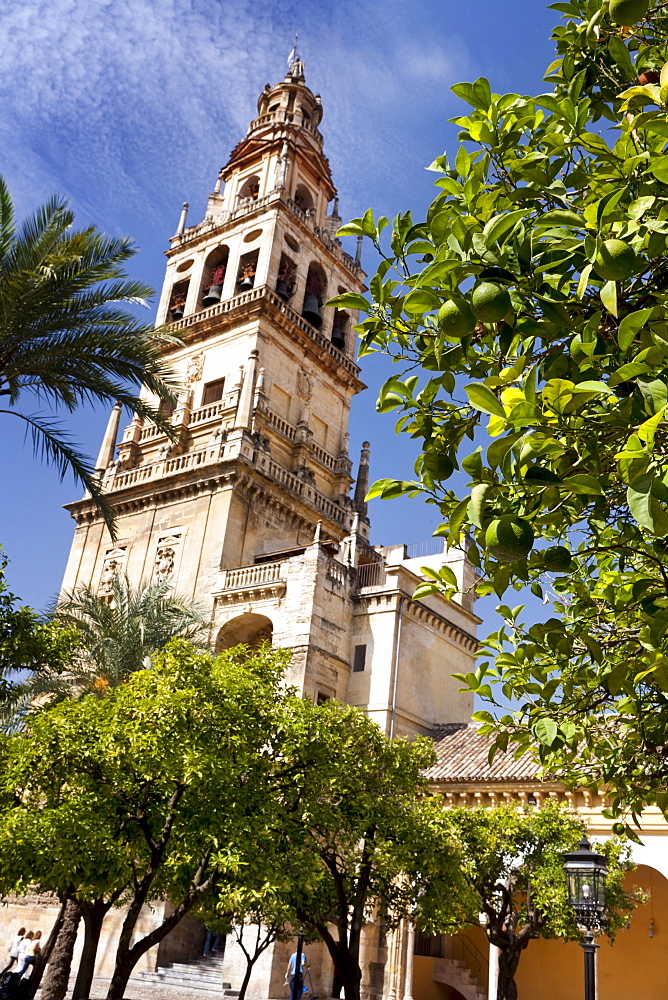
pixel 55 446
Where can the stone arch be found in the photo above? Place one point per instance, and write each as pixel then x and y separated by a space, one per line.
pixel 315 294
pixel 250 189
pixel 215 268
pixel 245 630
pixel 303 198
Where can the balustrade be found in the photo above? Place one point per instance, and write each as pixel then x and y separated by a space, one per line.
pixel 252 576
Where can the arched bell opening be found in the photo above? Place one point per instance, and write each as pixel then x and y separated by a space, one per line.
pixel 249 190
pixel 247 271
pixel 316 294
pixel 303 198
pixel 285 283
pixel 246 630
pixel 340 329
pixel 215 269
pixel 177 300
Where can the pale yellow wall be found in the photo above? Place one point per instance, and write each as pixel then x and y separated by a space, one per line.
pixel 634 968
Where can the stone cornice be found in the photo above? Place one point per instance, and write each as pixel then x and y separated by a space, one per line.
pixel 423 614
pixel 260 301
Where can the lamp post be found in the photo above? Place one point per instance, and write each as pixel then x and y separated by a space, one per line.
pixel 586 873
pixel 296 992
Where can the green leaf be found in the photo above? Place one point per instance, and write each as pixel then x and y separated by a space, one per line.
pixel 659 167
pixel 477 505
pixel 582 483
pixel 499 225
pixel 477 94
pixel 609 296
pixel 545 731
pixel 420 301
pixel 482 398
pixel 349 300
pixel 562 217
pixel 630 326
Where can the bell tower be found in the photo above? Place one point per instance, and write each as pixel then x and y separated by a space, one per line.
pixel 249 511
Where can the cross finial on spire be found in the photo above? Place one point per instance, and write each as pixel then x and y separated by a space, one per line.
pixel 294 55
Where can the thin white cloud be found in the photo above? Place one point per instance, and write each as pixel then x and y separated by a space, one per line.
pixel 137 102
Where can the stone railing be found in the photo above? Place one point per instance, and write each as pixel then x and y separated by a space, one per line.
pixel 263 292
pixel 252 576
pixel 289 118
pixel 282 426
pixel 251 205
pixel 322 456
pixel 302 488
pixel 212 411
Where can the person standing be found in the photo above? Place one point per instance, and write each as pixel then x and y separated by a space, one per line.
pixel 32 950
pixel 13 949
pixel 290 973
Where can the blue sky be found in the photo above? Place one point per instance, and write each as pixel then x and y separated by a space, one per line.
pixel 130 107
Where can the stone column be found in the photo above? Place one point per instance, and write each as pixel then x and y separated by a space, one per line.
pixel 108 446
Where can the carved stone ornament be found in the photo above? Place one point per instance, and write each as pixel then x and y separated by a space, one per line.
pixel 114 562
pixel 195 368
pixel 304 385
pixel 165 557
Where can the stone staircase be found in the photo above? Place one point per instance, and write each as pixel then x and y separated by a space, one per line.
pixel 456 973
pixel 200 977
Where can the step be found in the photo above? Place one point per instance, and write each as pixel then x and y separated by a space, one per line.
pixel 195 991
pixel 195 986
pixel 183 980
pixel 210 975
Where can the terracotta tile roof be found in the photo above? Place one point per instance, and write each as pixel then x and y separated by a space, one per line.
pixel 462 756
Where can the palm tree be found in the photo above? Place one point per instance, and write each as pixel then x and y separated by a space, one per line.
pixel 117 634
pixel 66 337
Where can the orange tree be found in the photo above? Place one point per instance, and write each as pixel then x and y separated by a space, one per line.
pixel 531 304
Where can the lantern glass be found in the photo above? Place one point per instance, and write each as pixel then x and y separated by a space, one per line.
pixel 586 873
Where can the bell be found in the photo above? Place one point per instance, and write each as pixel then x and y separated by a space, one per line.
pixel 212 296
pixel 176 311
pixel 311 312
pixel 282 290
pixel 246 283
pixel 338 339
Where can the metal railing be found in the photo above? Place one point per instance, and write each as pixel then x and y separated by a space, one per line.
pixel 430 547
pixel 462 949
pixel 371 575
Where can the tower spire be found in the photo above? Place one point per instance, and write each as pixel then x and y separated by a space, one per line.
pixel 362 484
pixel 108 446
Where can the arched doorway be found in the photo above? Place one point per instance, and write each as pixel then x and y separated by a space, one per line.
pixel 246 630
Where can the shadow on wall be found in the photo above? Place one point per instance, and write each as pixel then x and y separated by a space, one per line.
pixel 249 629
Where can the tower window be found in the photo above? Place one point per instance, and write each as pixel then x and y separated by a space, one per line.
pixel 166 407
pixel 177 300
pixel 321 698
pixel 250 189
pixel 213 391
pixel 359 659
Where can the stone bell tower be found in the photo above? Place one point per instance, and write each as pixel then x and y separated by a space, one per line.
pixel 250 511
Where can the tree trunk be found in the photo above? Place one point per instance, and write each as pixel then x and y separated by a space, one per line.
pixel 93 916
pixel 60 961
pixel 509 959
pixel 246 980
pixel 45 954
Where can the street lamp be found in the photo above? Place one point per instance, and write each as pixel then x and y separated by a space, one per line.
pixel 586 873
pixel 296 991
